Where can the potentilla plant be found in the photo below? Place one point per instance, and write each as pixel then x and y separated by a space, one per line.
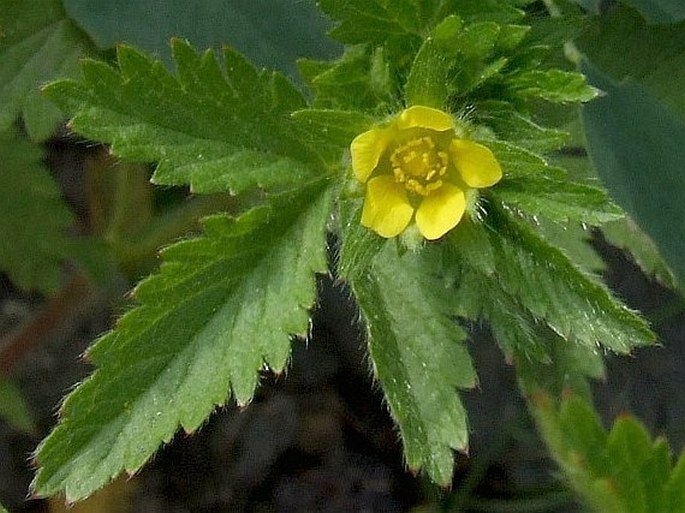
pixel 422 151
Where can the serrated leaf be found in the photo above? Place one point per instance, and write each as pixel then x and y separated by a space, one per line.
pixel 639 466
pixel 360 80
pixel 360 245
pixel 574 239
pixel 620 472
pixel 518 162
pixel 537 188
pixel 418 356
pixel 221 309
pixel 626 235
pixel 487 10
pixel 37 43
pixel 574 305
pixel 553 85
pixel 33 217
pixel 541 356
pixel 331 131
pixel 217 129
pixel 371 21
pixel 519 130
pixel 558 200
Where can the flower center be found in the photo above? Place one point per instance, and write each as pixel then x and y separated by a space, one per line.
pixel 419 165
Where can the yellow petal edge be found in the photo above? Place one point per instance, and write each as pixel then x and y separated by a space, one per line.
pixel 387 210
pixel 366 150
pixel 441 211
pixel 476 164
pixel 424 117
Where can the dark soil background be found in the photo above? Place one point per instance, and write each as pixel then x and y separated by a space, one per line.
pixel 318 438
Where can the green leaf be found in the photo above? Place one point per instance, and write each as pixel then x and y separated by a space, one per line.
pixel 247 25
pixel 552 85
pixel 535 187
pixel 626 235
pixel 557 293
pixel 213 129
pixel 675 487
pixel 544 358
pixel 519 130
pixel 360 245
pixel 660 11
pixel 419 357
pixel 222 308
pixel 331 131
pixel 359 80
pixel 37 43
pixel 496 11
pixel 657 54
pixel 558 200
pixel 33 218
pixel 645 179
pixel 574 240
pixel 427 83
pixel 13 407
pixel 620 472
pixel 372 21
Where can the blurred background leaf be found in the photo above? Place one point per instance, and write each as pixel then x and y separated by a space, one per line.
pixel 14 409
pixel 33 217
pixel 246 24
pixel 636 132
pixel 38 43
pixel 655 11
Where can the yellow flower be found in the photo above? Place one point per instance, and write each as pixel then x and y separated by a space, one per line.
pixel 417 168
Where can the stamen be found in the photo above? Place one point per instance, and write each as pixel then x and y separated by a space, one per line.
pixel 418 165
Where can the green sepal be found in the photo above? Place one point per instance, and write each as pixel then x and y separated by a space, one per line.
pixel 418 355
pixel 222 307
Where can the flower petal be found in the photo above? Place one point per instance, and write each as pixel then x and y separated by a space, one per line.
pixel 424 117
pixel 440 211
pixel 476 163
pixel 387 210
pixel 366 150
